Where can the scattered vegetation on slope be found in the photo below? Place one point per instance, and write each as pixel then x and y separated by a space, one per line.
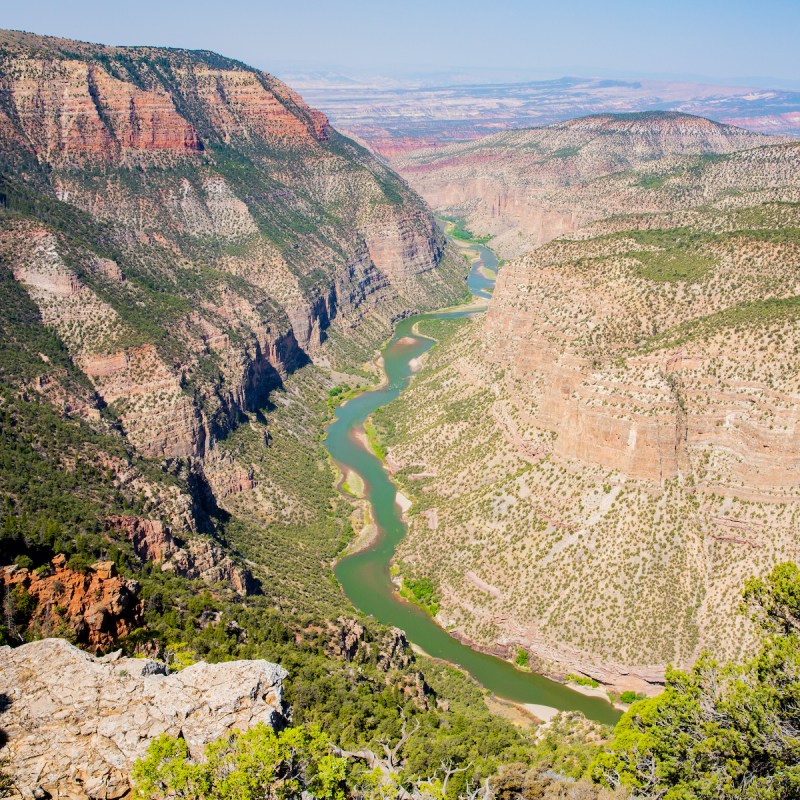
pixel 721 731
pixel 516 517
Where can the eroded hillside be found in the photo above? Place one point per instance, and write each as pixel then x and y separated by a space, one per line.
pixel 189 255
pixel 529 186
pixel 598 463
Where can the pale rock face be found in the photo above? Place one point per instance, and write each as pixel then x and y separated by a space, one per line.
pixel 76 724
pixel 57 104
pixel 155 413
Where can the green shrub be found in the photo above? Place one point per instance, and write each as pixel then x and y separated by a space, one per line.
pixel 80 562
pixel 244 766
pixel 566 152
pixel 374 440
pixel 679 264
pixel 422 592
pixel 720 731
pixel 582 680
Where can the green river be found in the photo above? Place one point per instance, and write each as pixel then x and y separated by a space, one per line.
pixel 365 575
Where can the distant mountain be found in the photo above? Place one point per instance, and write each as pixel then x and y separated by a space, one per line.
pixel 528 186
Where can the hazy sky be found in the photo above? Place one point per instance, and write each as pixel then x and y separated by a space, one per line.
pixel 718 38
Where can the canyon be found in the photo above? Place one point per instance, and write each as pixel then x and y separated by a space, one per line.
pixel 193 235
pixel 105 126
pixel 527 187
pixel 191 261
pixel 599 463
pixel 196 270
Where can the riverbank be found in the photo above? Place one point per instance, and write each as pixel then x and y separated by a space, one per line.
pixel 364 575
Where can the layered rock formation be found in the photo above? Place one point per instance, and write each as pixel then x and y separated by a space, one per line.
pixel 179 235
pixel 199 558
pixel 350 641
pixel 216 184
pixel 613 450
pixel 529 186
pixel 75 724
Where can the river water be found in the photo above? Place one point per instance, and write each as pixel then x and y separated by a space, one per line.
pixel 365 575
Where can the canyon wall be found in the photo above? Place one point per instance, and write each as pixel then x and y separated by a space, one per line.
pixel 530 186
pixel 197 177
pixel 602 460
pixel 191 257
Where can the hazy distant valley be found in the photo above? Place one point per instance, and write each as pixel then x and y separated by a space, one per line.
pixel 393 116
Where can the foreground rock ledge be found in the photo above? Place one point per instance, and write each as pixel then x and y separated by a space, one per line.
pixel 74 724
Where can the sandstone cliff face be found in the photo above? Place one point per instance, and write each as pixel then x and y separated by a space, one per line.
pixel 97 607
pixel 220 188
pixel 73 99
pixel 69 108
pixel 76 724
pixel 612 450
pixel 186 235
pixel 530 186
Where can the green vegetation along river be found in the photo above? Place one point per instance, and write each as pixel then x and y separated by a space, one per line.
pixel 365 575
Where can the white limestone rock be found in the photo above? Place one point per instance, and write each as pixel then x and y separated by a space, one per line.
pixel 74 724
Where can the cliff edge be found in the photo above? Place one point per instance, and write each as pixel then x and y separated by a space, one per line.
pixel 74 724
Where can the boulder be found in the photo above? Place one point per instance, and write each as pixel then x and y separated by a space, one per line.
pixel 74 724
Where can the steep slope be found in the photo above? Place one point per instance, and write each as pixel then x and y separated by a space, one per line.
pixel 606 455
pixel 526 187
pixel 214 185
pixel 192 264
pixel 188 254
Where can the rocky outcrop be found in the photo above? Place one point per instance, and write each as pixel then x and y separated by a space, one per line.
pixel 150 538
pixel 395 651
pixel 75 724
pixel 198 557
pixel 204 560
pixel 348 639
pixel 96 606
